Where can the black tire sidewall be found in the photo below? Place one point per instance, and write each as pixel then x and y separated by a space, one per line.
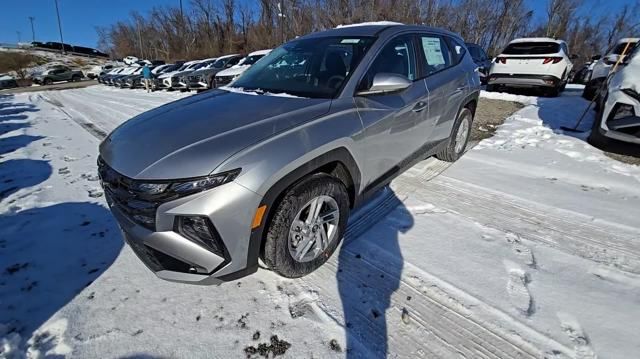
pixel 450 154
pixel 276 249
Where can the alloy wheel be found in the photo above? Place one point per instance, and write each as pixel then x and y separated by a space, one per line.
pixel 314 228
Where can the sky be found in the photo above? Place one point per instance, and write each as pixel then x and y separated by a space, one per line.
pixel 81 17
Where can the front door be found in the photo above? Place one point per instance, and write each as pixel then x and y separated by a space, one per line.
pixel 390 120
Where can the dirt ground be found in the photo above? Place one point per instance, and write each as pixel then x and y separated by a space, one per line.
pixel 489 115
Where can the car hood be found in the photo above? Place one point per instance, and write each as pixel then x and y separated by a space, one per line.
pixel 232 71
pixel 193 136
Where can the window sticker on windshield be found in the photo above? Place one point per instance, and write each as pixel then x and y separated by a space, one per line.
pixel 432 51
pixel 350 41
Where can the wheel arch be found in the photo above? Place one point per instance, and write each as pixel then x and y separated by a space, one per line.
pixel 337 162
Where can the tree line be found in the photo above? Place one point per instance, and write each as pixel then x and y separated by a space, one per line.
pixel 210 28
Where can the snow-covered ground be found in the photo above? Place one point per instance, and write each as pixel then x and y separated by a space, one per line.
pixel 529 246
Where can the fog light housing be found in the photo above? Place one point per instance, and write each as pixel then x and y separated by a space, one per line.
pixel 623 110
pixel 199 230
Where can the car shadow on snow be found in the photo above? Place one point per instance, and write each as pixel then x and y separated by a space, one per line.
pixel 50 254
pixel 47 254
pixel 369 272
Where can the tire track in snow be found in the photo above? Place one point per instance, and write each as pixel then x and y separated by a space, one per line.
pixel 565 230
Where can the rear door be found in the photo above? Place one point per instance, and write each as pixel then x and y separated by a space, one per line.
pixel 391 120
pixel 446 81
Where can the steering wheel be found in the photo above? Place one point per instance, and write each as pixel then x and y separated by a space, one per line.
pixel 338 79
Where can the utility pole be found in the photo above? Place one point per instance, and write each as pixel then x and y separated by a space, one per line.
pixel 59 27
pixel 33 31
pixel 19 39
pixel 140 41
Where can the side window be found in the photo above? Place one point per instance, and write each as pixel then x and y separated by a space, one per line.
pixel 397 57
pixel 565 49
pixel 437 55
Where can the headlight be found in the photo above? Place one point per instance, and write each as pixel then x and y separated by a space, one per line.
pixel 185 187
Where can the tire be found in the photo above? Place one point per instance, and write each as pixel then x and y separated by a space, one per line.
pixel 47 81
pixel 279 241
pixel 75 78
pixel 491 88
pixel 453 152
pixel 591 88
pixel 595 137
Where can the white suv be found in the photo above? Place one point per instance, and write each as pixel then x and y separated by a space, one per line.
pixel 619 115
pixel 532 63
pixel 602 67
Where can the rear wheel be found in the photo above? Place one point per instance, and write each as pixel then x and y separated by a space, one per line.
pixel 75 78
pixel 48 81
pixel 459 137
pixel 491 88
pixel 307 226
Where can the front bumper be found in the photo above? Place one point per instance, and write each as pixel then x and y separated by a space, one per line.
pixel 523 80
pixel 626 128
pixel 171 256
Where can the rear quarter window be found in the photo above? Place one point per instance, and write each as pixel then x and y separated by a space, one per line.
pixel 532 48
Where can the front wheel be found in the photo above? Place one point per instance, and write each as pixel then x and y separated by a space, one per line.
pixel 459 137
pixel 307 226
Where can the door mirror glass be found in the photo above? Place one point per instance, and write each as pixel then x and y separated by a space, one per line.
pixel 596 57
pixel 385 82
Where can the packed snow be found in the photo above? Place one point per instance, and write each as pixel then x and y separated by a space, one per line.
pixel 528 246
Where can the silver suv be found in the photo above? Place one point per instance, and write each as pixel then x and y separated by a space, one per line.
pixel 270 167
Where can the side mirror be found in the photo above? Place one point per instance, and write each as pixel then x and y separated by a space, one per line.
pixel 385 83
pixel 596 57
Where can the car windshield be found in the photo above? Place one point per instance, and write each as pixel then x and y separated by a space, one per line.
pixel 250 60
pixel 532 48
pixel 316 67
pixel 221 62
pixel 619 48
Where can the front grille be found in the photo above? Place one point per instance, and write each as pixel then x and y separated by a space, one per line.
pixel 138 207
pixel 194 78
pixel 223 80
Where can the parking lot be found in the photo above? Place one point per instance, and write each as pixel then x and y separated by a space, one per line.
pixel 514 251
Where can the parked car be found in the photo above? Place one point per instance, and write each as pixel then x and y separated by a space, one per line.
pixel 204 78
pixel 602 67
pixel 541 63
pixel 7 82
pixel 95 71
pixel 481 59
pixel 168 80
pixel 105 77
pixel 156 81
pixel 183 77
pixel 57 74
pixel 127 81
pixel 115 79
pixel 271 166
pixel 130 60
pixel 225 77
pixel 618 117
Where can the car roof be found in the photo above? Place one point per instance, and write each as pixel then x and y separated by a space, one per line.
pixel 375 29
pixel 536 39
pixel 227 56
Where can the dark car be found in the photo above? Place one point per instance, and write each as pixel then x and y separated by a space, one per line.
pixel 57 74
pixel 481 59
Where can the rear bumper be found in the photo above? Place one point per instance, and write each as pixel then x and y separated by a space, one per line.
pixel 524 80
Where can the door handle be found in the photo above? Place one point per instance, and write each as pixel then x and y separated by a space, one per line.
pixel 419 106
